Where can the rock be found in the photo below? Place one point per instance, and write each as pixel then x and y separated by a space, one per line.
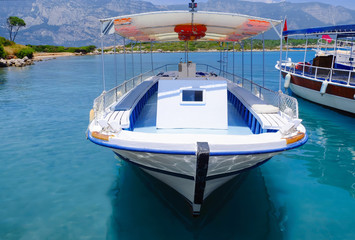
pixel 15 62
pixel 25 58
pixel 3 63
pixel 19 63
pixel 12 62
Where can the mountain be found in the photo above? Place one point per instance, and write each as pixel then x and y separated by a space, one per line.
pixel 75 23
pixel 66 22
pixel 299 15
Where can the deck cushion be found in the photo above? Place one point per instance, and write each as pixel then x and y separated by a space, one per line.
pixel 131 97
pixel 257 104
pixel 265 108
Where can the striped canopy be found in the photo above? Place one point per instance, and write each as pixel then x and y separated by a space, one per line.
pixel 168 26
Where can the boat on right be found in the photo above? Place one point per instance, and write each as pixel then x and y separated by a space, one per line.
pixel 329 77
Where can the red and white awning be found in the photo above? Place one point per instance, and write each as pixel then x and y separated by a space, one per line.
pixel 171 26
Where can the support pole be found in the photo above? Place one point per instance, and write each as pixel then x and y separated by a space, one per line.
pixel 226 57
pixel 220 57
pixel 124 59
pixel 263 61
pixel 334 55
pixel 251 64
pixel 140 56
pixel 115 59
pixel 243 61
pixel 233 59
pixel 305 55
pixel 286 49
pixel 151 55
pixel 140 59
pixel 132 60
pixel 185 51
pixel 103 62
pixel 281 37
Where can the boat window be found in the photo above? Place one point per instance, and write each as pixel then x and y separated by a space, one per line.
pixel 192 95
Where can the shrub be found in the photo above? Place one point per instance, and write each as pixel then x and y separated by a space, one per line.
pixel 26 52
pixel 5 42
pixel 89 48
pixel 2 52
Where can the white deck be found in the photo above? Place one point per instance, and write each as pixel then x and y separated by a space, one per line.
pixel 267 115
pixel 146 122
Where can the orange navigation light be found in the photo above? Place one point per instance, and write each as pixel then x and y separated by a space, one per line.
pixel 189 32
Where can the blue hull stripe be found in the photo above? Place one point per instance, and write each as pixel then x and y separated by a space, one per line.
pixel 176 152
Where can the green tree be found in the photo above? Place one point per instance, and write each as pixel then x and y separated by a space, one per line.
pixel 13 25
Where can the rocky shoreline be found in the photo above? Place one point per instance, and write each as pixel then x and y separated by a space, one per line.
pixel 16 62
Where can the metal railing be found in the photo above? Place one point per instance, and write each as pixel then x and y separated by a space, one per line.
pixel 107 98
pixel 340 76
pixel 328 46
pixel 285 103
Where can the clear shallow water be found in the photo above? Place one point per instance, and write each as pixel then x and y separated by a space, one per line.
pixel 55 184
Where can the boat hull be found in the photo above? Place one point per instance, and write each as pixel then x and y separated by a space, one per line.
pixel 182 172
pixel 337 96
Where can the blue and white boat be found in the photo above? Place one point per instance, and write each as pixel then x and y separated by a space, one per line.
pixel 185 125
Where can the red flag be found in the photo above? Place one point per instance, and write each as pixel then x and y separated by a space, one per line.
pixel 285 28
pixel 327 38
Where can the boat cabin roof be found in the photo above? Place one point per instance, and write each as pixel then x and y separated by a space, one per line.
pixel 169 26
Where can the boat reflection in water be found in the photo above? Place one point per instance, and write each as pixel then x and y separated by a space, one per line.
pixel 240 209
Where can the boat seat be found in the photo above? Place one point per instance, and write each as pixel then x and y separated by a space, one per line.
pixel 119 116
pixel 272 121
pixel 131 98
pixel 267 115
pixel 112 120
pixel 258 105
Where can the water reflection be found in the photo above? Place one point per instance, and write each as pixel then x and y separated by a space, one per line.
pixel 3 77
pixel 330 151
pixel 145 208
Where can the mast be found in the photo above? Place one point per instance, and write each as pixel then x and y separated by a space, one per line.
pixel 281 36
pixel 102 58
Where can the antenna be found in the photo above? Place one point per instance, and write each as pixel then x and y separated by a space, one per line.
pixel 192 6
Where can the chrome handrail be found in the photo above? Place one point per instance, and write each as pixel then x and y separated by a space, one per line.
pixel 285 103
pixel 341 76
pixel 107 98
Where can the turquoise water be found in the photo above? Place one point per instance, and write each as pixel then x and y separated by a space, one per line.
pixel 55 184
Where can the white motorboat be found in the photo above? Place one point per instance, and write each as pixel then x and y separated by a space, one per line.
pixel 186 126
pixel 328 78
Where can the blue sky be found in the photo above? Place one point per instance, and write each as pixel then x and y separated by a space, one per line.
pixel 345 3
